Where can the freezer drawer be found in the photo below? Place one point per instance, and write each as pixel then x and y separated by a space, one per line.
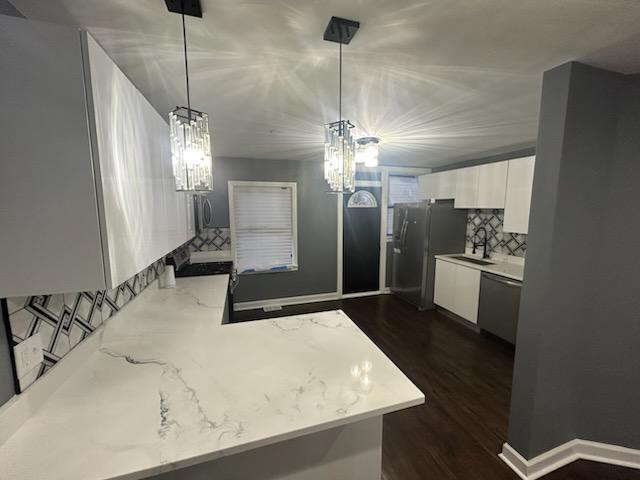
pixel 499 306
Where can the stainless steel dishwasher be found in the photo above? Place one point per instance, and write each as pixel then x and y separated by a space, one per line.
pixel 499 306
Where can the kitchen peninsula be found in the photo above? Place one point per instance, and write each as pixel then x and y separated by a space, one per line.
pixel 168 392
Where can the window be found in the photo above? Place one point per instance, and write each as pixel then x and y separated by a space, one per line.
pixel 264 232
pixel 402 189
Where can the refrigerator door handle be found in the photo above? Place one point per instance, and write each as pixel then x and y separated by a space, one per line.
pixel 403 234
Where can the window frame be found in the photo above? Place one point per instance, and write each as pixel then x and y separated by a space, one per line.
pixel 232 184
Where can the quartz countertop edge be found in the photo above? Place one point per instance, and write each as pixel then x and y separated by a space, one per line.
pixel 171 387
pixel 513 271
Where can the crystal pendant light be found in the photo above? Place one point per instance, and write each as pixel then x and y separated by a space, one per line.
pixel 367 151
pixel 189 130
pixel 339 144
pixel 339 156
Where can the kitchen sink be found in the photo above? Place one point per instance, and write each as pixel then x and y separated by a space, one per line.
pixel 475 261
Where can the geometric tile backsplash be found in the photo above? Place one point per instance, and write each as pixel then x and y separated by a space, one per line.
pixel 65 320
pixel 498 241
pixel 211 239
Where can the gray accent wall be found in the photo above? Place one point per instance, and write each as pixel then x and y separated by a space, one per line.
pixel 317 226
pixel 577 355
pixel 7 8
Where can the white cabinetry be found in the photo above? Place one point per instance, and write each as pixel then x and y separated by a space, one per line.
pixel 444 292
pixel 144 218
pixel 457 289
pixel 482 186
pixel 467 187
pixel 86 188
pixel 492 181
pixel 518 195
pixel 439 186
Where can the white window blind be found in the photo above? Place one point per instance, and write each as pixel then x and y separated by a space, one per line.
pixel 264 226
pixel 401 190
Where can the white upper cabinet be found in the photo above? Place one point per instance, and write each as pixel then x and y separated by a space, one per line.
pixel 426 185
pixel 467 187
pixel 439 186
pixel 492 182
pixel 86 188
pixel 482 186
pixel 144 217
pixel 518 195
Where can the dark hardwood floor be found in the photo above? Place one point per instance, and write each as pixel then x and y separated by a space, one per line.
pixel 466 379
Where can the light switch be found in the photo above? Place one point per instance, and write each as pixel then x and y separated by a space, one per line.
pixel 28 354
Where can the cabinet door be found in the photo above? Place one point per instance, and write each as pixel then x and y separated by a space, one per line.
pixel 466 187
pixel 142 216
pixel 50 234
pixel 448 184
pixel 427 185
pixel 467 293
pixel 492 183
pixel 445 284
pixel 518 195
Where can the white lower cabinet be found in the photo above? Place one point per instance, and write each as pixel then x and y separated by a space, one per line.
pixel 457 289
pixel 445 285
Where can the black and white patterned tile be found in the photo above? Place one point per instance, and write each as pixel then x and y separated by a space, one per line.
pixel 498 241
pixel 211 239
pixel 65 320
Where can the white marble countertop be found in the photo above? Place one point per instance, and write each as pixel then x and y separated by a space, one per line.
pixel 514 271
pixel 171 387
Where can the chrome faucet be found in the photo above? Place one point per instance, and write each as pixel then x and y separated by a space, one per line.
pixel 484 243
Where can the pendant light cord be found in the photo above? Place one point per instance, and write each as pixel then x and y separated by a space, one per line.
pixel 186 63
pixel 340 89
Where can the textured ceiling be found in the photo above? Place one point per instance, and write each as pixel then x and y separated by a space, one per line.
pixel 438 80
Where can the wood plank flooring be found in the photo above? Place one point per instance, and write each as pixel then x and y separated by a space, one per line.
pixel 466 378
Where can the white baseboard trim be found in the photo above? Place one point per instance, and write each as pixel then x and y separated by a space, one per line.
pixel 567 453
pixel 281 302
pixel 361 294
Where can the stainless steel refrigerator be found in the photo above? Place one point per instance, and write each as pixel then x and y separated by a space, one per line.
pixel 420 232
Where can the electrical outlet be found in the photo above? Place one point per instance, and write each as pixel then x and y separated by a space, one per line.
pixel 28 354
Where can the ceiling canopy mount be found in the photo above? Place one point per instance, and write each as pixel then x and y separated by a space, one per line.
pixel 191 8
pixel 341 30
